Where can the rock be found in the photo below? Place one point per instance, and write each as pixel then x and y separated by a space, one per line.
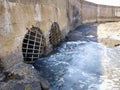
pixel 83 32
pixel 23 77
pixel 117 45
pixel 74 35
pixel 6 76
pixel 44 84
pixel 2 77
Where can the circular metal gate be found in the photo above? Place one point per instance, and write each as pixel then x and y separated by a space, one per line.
pixel 55 34
pixel 33 45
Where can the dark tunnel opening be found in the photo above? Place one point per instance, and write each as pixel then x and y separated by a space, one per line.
pixel 55 34
pixel 33 45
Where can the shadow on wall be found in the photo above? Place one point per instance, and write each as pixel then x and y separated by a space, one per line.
pixel 75 16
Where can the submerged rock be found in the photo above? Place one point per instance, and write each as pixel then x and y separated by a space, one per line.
pixel 117 45
pixel 109 33
pixel 86 32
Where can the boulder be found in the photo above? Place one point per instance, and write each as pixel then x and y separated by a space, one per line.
pixel 23 77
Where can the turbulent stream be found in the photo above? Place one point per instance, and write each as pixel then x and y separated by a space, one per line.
pixel 82 65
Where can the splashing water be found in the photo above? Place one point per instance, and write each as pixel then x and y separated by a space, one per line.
pixel 82 65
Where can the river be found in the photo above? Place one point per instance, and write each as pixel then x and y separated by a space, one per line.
pixel 82 65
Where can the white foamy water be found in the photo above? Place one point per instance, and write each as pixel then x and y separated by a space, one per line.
pixel 82 65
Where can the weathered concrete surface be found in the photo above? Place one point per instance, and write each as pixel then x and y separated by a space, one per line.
pixel 89 12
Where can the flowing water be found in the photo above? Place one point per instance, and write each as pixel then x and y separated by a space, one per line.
pixel 82 65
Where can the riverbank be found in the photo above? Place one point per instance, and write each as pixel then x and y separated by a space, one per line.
pixel 22 77
pixel 107 33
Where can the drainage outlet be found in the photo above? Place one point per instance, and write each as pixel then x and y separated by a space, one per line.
pixel 33 45
pixel 55 34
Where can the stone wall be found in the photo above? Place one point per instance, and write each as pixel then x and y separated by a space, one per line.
pixel 17 15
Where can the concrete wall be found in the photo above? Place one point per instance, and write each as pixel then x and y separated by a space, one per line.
pixel 117 11
pixel 74 13
pixel 17 15
pixel 105 13
pixel 89 12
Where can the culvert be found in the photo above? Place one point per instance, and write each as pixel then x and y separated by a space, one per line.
pixel 55 34
pixel 33 45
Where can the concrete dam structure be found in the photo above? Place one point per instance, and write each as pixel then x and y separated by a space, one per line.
pixel 30 29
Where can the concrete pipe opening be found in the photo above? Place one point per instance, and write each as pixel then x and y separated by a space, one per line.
pixel 55 34
pixel 33 45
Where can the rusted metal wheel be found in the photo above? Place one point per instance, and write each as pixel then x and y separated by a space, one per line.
pixel 33 45
pixel 55 34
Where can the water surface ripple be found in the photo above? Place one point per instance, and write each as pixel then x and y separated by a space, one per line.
pixel 82 65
